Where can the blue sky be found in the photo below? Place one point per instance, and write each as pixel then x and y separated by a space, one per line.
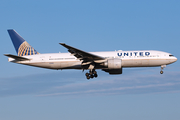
pixel 139 93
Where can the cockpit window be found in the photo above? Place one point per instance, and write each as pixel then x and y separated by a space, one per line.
pixel 171 55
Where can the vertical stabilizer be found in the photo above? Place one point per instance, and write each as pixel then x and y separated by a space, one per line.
pixel 21 46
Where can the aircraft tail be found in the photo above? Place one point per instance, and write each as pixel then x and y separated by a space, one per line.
pixel 21 46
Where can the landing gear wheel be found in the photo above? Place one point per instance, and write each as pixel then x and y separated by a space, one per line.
pixel 88 77
pixel 95 75
pixel 162 67
pixel 91 76
pixel 94 72
pixel 87 74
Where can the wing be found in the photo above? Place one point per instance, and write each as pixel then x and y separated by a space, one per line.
pixel 82 55
pixel 18 58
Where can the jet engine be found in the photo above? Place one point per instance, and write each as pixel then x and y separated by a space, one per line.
pixel 113 63
pixel 114 66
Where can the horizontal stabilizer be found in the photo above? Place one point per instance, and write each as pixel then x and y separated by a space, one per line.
pixel 18 58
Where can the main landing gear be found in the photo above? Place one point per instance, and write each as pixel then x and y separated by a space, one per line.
pixel 91 74
pixel 162 67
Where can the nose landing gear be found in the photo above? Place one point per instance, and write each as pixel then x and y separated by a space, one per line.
pixel 91 74
pixel 162 67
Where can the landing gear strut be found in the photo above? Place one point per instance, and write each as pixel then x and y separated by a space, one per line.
pixel 162 67
pixel 91 74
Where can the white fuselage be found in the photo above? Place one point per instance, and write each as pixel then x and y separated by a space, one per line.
pixel 145 58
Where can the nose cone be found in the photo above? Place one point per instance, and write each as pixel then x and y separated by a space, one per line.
pixel 174 59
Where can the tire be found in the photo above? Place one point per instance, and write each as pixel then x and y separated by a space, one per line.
pixel 94 72
pixel 95 75
pixel 88 77
pixel 91 76
pixel 87 74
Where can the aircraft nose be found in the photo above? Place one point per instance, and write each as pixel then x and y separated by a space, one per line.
pixel 174 59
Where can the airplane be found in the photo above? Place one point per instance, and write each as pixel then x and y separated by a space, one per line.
pixel 111 62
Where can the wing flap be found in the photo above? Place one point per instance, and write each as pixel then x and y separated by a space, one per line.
pixel 18 58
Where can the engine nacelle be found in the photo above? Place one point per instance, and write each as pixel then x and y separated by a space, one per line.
pixel 113 63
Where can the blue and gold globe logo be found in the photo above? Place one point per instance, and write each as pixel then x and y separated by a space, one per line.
pixel 26 49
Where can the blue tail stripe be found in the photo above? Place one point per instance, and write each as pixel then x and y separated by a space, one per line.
pixel 16 39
